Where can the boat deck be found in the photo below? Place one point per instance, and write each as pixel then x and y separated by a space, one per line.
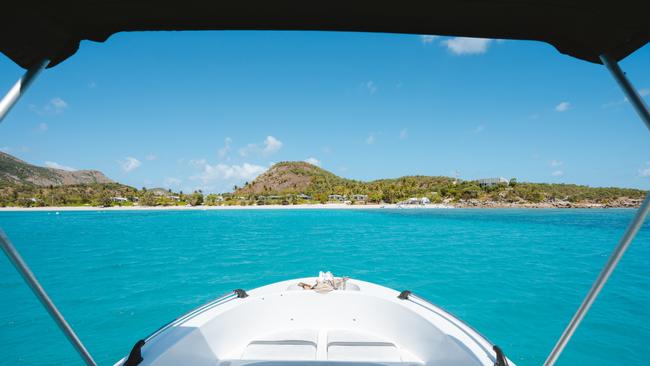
pixel 282 323
pixel 325 345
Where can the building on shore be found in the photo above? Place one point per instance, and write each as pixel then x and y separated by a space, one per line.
pixel 360 197
pixel 416 201
pixel 336 197
pixel 160 192
pixel 491 182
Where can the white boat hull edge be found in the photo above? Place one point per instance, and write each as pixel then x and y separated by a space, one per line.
pixel 281 324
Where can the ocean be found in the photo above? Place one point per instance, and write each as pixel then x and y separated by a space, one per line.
pixel 515 275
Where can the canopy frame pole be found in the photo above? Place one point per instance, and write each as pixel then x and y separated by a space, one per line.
pixel 630 92
pixel 7 102
pixel 20 87
pixel 42 296
pixel 640 216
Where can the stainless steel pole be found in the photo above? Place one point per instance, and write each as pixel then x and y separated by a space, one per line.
pixel 20 87
pixel 630 92
pixel 40 293
pixel 630 233
pixel 6 104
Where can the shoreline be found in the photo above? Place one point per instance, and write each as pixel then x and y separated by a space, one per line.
pixel 331 206
pixel 192 208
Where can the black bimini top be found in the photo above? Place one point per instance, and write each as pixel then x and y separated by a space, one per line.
pixel 31 31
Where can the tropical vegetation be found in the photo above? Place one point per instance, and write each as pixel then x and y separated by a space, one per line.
pixel 286 183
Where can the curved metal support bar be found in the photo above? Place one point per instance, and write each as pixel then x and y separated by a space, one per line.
pixel 135 356
pixel 20 87
pixel 630 92
pixel 40 293
pixel 630 233
pixel 616 256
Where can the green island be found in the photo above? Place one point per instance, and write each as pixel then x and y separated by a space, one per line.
pixel 295 183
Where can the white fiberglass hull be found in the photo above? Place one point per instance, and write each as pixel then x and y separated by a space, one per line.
pixel 283 324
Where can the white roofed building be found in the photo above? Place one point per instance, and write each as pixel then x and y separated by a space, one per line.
pixel 491 182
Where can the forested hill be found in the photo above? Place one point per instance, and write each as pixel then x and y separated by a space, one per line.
pixel 293 178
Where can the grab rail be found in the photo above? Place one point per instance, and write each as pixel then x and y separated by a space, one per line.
pixel 238 293
pixel 135 356
pixel 499 359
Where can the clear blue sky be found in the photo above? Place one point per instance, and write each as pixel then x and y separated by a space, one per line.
pixel 190 110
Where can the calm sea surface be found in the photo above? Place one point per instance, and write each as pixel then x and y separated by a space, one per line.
pixel 515 275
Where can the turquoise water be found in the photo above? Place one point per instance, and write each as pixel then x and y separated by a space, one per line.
pixel 515 275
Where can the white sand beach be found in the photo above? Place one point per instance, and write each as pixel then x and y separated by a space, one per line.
pixel 335 206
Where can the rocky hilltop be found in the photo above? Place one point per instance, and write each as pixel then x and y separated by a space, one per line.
pixel 27 185
pixel 293 177
pixel 14 171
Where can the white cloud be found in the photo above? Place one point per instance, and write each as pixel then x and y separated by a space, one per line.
pixel 371 87
pixel 403 134
pixel 198 163
pixel 479 129
pixel 313 161
pixel 428 39
pixel 557 173
pixel 269 146
pixel 248 150
pixel 220 174
pixel 151 157
pixel 58 104
pixel 370 139
pixel 555 163
pixel 54 165
pixel 42 127
pixel 222 152
pixel 54 106
pixel 467 46
pixel 615 104
pixel 130 163
pixel 171 182
pixel 564 106
pixel 6 149
pixel 642 92
pixel 644 172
